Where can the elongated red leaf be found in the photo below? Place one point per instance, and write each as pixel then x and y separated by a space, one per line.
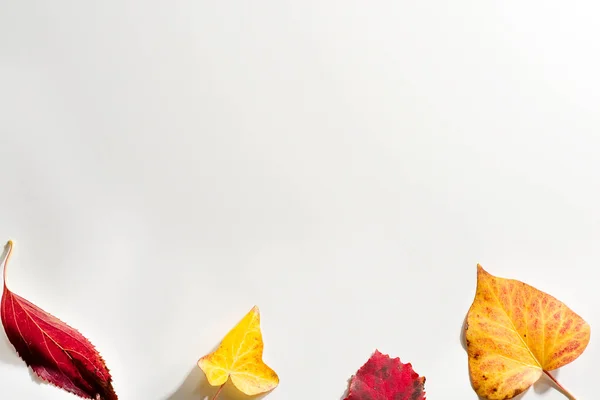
pixel 56 352
pixel 385 378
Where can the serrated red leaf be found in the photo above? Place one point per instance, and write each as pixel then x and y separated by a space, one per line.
pixel 56 352
pixel 385 378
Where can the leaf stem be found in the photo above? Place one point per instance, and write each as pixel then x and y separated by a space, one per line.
pixel 218 391
pixel 560 387
pixel 7 251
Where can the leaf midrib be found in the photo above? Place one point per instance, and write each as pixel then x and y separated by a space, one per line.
pixel 45 334
pixel 516 331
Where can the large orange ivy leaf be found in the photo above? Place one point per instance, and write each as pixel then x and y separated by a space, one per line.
pixel 239 357
pixel 517 333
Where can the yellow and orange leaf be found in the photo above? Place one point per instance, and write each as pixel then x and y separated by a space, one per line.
pixel 239 357
pixel 517 333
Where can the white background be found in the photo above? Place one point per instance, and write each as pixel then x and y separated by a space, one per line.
pixel 343 165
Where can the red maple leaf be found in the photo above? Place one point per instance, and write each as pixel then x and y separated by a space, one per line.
pixel 385 378
pixel 56 352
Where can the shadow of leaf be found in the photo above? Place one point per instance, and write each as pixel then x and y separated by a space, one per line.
pixel 230 392
pixel 543 385
pixel 196 387
pixel 8 355
pixel 463 333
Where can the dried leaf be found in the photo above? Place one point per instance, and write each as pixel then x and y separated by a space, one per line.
pixel 239 357
pixel 385 378
pixel 56 352
pixel 515 334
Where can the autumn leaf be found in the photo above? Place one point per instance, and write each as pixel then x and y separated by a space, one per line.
pixel 239 357
pixel 56 353
pixel 517 333
pixel 385 378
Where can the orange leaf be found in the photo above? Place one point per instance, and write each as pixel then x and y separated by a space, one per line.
pixel 239 357
pixel 515 334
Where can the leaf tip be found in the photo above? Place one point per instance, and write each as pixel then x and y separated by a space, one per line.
pixel 481 271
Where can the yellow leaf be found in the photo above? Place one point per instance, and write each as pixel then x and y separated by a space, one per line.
pixel 239 357
pixel 515 334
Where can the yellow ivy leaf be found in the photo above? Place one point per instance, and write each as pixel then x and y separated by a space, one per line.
pixel 515 334
pixel 239 357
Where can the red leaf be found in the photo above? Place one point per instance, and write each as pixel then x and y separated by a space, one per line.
pixel 56 352
pixel 385 378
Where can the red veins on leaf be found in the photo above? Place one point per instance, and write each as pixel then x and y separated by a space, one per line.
pixel 56 352
pixel 385 378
